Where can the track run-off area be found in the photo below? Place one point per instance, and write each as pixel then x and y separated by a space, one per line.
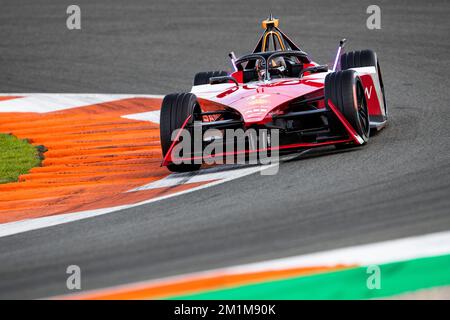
pixel 103 154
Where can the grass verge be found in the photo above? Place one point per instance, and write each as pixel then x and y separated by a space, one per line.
pixel 16 157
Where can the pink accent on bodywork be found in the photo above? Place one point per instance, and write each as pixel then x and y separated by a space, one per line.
pixel 255 100
pixel 353 137
pixel 168 157
pixel 301 145
pixel 348 127
pixel 373 104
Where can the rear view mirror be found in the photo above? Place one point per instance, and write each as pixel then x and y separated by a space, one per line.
pixel 321 68
pixel 223 79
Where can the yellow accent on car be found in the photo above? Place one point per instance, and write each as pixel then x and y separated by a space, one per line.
pixel 266 35
pixel 270 22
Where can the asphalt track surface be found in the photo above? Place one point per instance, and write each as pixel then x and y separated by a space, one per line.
pixel 396 186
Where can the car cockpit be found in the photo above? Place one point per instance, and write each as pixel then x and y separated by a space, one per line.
pixel 275 56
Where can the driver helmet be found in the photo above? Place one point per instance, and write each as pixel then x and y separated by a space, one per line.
pixel 277 63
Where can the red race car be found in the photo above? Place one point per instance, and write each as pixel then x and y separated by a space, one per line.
pixel 290 101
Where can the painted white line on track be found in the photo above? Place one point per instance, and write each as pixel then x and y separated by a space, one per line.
pixel 228 172
pixel 403 249
pixel 152 116
pixel 50 102
pixel 11 228
pixel 376 253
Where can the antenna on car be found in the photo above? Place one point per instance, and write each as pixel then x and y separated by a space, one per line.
pixel 233 60
pixel 338 54
pixel 274 34
pixel 270 22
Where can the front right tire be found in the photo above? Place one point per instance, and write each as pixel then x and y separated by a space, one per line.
pixel 346 92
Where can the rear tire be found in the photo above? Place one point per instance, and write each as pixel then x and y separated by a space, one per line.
pixel 203 77
pixel 345 90
pixel 175 109
pixel 364 58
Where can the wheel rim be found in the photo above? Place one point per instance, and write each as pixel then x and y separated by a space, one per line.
pixel 363 113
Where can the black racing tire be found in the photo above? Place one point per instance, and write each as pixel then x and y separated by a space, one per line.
pixel 358 59
pixel 203 77
pixel 175 109
pixel 364 58
pixel 340 87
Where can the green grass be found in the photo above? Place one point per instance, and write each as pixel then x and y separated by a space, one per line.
pixel 16 157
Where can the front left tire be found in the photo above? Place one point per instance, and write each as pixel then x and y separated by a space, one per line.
pixel 175 109
pixel 346 92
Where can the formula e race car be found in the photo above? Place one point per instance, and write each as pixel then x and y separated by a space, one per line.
pixel 291 102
